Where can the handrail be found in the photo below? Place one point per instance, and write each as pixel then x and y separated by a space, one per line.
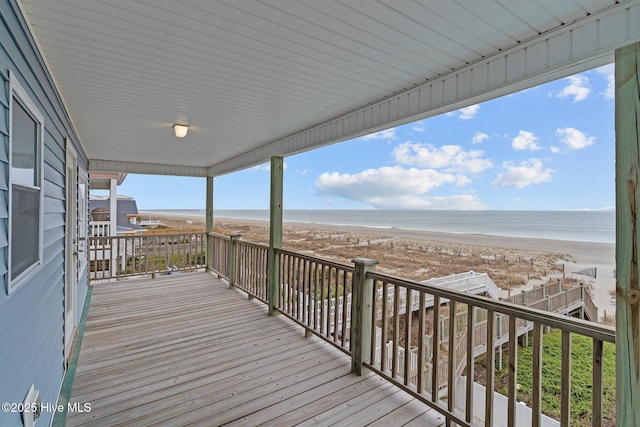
pixel 594 330
pixel 117 257
pixel 326 296
pixel 327 262
pixel 558 299
pixel 512 319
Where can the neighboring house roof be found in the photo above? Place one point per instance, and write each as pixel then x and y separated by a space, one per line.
pixel 126 206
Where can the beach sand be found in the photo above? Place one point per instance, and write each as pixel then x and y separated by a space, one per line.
pixel 513 263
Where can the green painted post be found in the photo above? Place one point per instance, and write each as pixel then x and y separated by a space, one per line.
pixel 275 232
pixel 231 259
pixel 209 221
pixel 361 312
pixel 627 119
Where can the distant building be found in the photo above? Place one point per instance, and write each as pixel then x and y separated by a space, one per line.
pixel 126 216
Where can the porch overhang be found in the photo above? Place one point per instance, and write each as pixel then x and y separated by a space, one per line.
pixel 259 80
pixel 102 180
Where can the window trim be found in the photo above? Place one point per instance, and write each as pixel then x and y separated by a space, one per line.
pixel 19 94
pixel 83 222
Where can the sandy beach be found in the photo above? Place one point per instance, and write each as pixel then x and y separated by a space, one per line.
pixel 513 263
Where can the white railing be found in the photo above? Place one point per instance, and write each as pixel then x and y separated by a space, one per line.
pixel 99 228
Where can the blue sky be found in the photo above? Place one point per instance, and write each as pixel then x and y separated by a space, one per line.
pixel 547 148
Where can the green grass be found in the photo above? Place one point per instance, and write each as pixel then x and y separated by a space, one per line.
pixel 581 371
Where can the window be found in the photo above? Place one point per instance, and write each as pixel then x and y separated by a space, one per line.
pixel 25 192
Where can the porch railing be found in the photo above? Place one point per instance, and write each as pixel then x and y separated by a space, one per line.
pixel 117 257
pixel 554 297
pixel 251 269
pixel 99 228
pixel 387 326
pixel 219 254
pixel 507 316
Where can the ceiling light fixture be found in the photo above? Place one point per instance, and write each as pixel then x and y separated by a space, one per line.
pixel 180 130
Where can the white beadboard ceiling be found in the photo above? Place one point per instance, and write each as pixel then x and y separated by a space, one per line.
pixel 255 79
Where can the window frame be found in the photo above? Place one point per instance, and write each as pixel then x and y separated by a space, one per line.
pixel 17 93
pixel 83 220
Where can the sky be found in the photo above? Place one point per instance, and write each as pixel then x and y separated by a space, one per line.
pixel 551 147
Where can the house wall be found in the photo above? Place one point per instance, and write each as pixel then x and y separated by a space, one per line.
pixel 32 317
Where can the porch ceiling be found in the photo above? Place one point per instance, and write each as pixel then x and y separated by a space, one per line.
pixel 255 79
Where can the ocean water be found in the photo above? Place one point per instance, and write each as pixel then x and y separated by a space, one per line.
pixel 583 226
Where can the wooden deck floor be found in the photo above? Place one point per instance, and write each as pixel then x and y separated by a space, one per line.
pixel 185 350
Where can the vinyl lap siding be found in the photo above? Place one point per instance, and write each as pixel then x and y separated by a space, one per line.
pixel 4 173
pixel 32 317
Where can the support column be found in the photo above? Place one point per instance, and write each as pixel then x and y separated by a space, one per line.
pixel 113 226
pixel 209 221
pixel 361 313
pixel 113 206
pixel 627 119
pixel 275 232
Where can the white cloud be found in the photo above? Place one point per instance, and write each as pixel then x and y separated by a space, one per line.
pixel 469 112
pixel 479 138
pixel 466 113
pixel 456 202
pixel 555 149
pixel 383 134
pixel 527 173
pixel 603 209
pixel 525 141
pixel 578 88
pixel 385 182
pixel 396 188
pixel 451 158
pixel 608 71
pixel 419 126
pixel 574 139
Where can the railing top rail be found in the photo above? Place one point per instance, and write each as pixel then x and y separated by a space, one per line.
pixel 327 262
pixel 177 234
pixel 590 329
pixel 219 236
pixel 253 244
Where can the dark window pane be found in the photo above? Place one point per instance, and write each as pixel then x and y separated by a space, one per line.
pixel 24 147
pixel 25 228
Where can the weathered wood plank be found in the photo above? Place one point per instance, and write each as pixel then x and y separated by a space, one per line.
pixel 361 313
pixel 311 402
pixel 598 378
pixel 412 413
pixel 536 384
pixel 228 363
pixel 191 364
pixel 491 364
pixel 373 413
pixel 565 386
pixel 627 124
pixel 336 414
pixel 513 372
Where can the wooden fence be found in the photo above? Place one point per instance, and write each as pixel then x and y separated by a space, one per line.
pixel 118 257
